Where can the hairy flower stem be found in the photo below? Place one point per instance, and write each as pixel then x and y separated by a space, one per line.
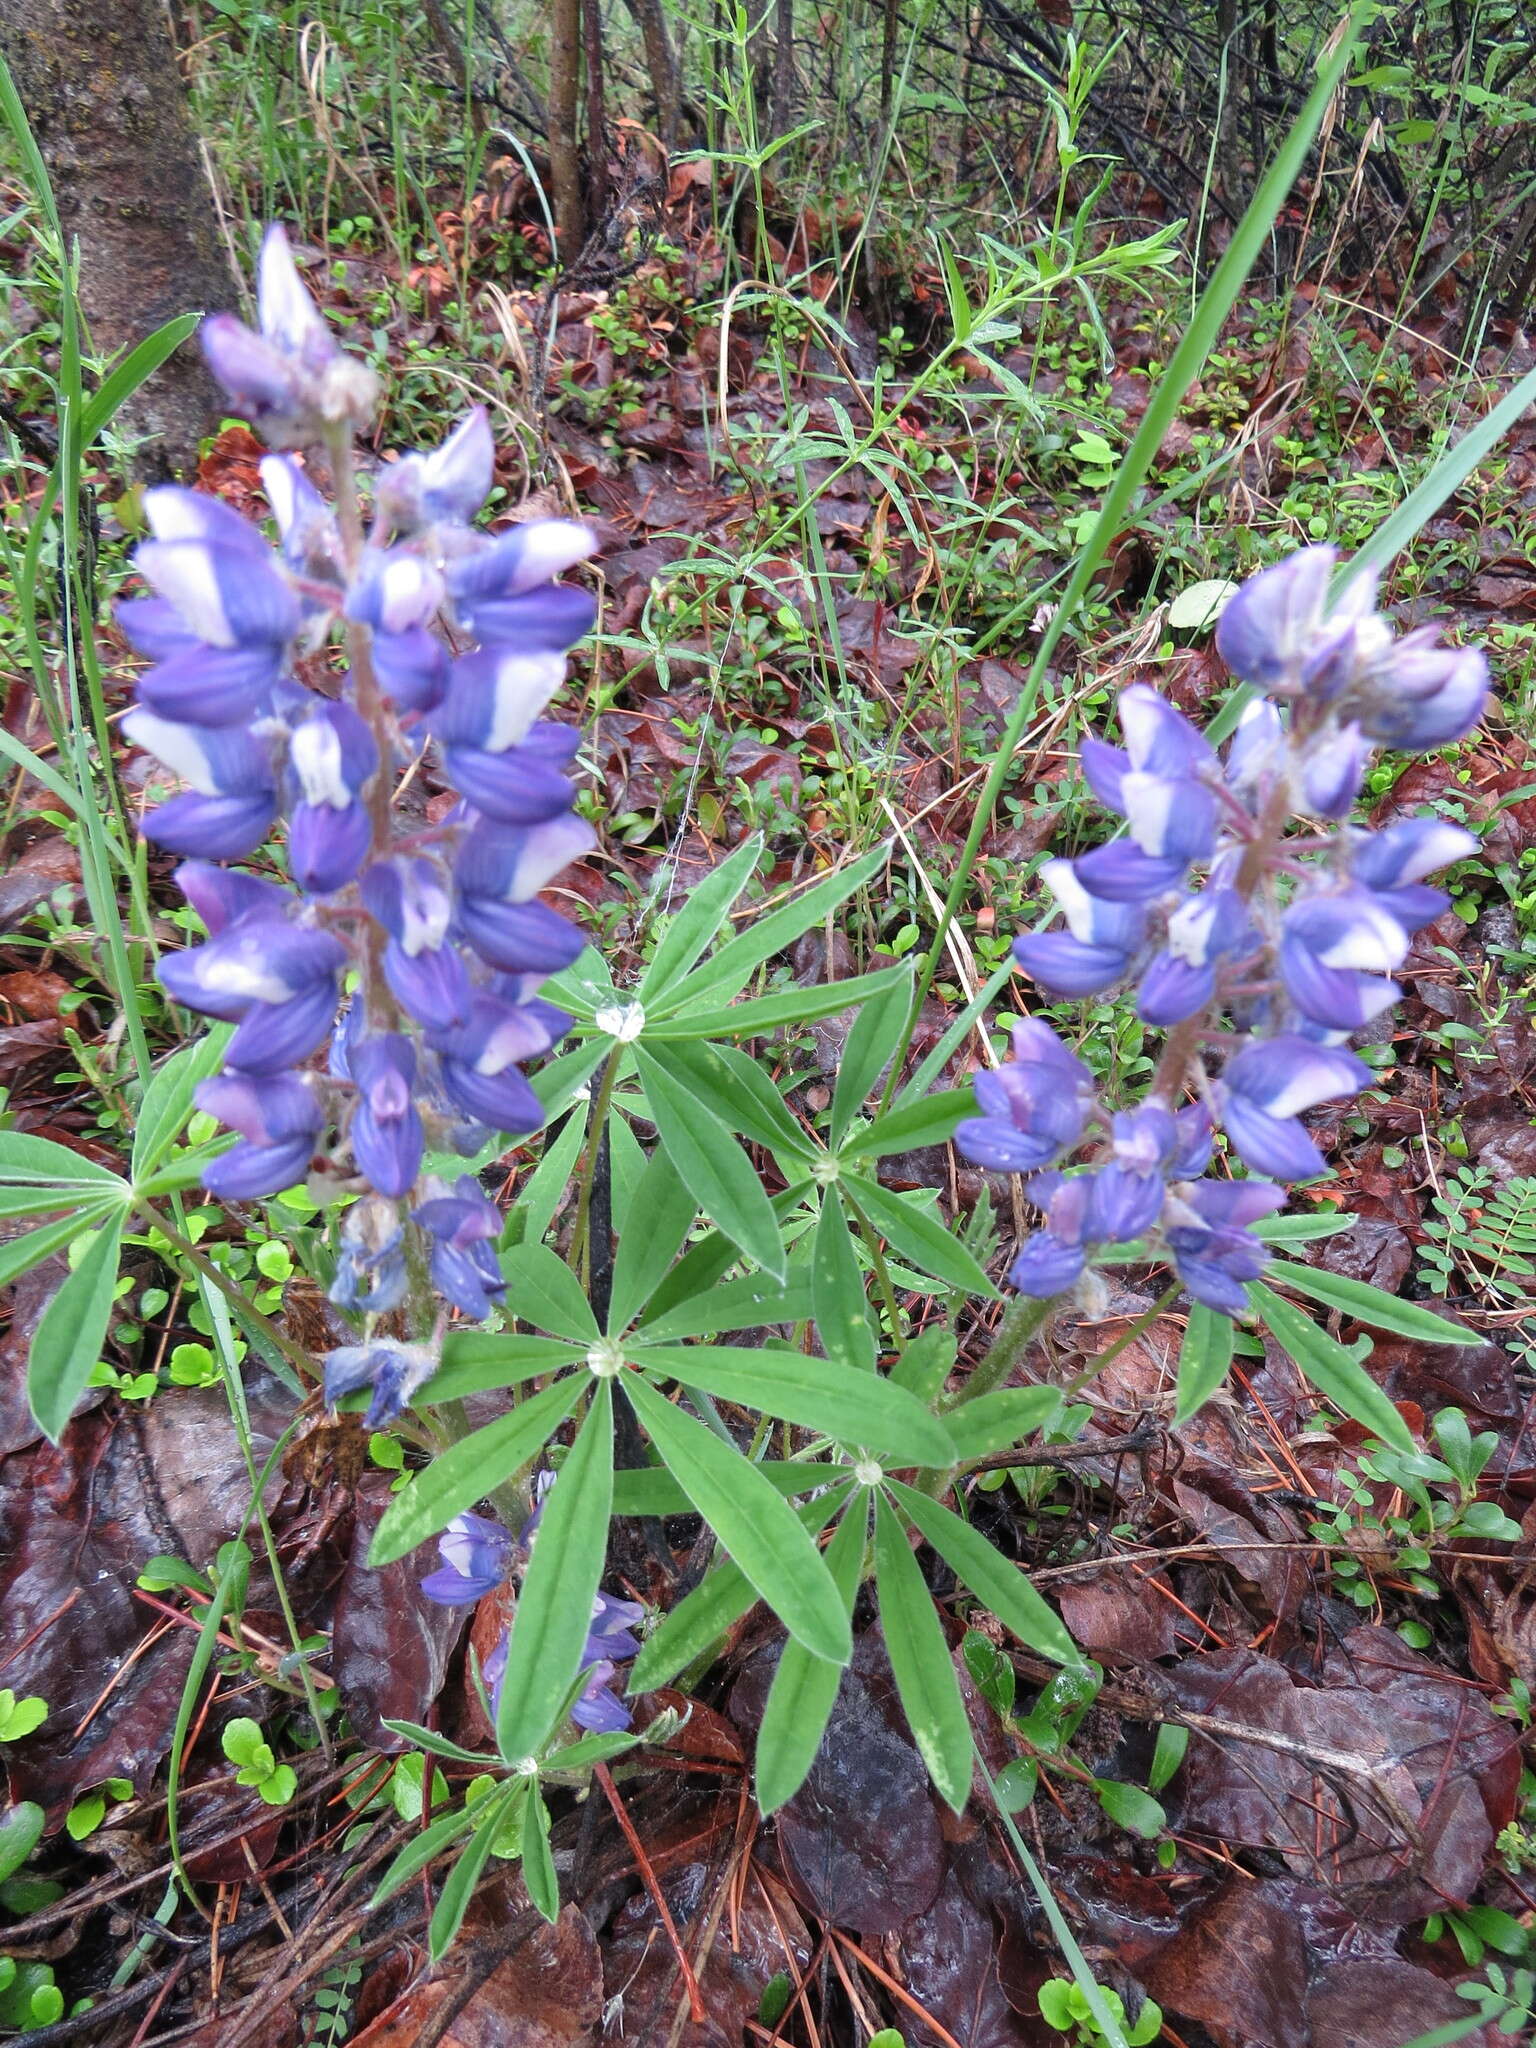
pixel 580 1257
pixel 1023 1320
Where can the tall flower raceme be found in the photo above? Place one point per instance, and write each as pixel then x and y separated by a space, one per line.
pixel 414 954
pixel 1260 927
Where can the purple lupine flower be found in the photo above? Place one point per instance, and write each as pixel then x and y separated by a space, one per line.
pixel 1393 862
pixel 1270 629
pixel 1051 1260
pixel 1419 696
pixel 449 485
pixel 1264 1091
pixel 498 873
pixel 290 380
pixel 425 971
pixel 513 563
pixel 392 1371
pixel 387 1135
pixel 222 896
pixel 464 1226
pixel 1336 952
pixel 1205 931
pixel 521 785
pixel 480 1061
pixel 331 759
pixel 311 539
pixel 277 979
pixel 1099 946
pixel 1158 782
pixel 477 1556
pixel 1033 1107
pixel 371 1276
pixel 1214 1252
pixel 611 1635
pixel 397 594
pixel 231 802
pixel 278 1119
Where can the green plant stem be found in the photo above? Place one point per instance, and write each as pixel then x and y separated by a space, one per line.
pixel 580 1258
pixel 871 1238
pixel 1023 1320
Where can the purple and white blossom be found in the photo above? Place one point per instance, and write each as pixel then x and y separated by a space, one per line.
pixel 1258 975
pixel 455 647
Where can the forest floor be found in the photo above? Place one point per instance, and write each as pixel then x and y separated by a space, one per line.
pixel 817 636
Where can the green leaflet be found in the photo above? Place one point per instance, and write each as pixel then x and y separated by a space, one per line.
pixel 1333 1370
pixel 919 1654
pixel 804 1687
pixel 554 1607
pixel 470 1469
pixel 758 1527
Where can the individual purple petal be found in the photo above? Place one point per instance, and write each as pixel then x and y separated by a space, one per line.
pixel 1170 817
pixel 521 558
pixel 1193 1144
pixel 1046 1266
pixel 1332 769
pixel 279 1120
pixel 476 1556
pixel 256 959
pixel 1172 989
pixel 1122 1204
pixel 272 1036
pixel 1159 740
pixel 513 865
pixel 1105 769
pixel 412 669
pixel 600 1710
pixel 326 847
pixel 211 685
pixel 211 827
pixel 394 591
pixel 311 539
pixel 520 787
pixel 1265 629
pixel 1265 1089
pixel 543 621
pixel 1122 872
pixel 258 378
pixel 504 1101
pixel 1066 967
pixel 221 896
pixel 520 938
pixel 1233 1203
pixel 387 1135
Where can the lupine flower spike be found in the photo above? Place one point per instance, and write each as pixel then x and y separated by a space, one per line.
pixel 455 641
pixel 1288 947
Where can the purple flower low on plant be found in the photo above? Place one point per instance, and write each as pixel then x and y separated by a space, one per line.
pixel 477 1556
pixel 463 1227
pixel 391 1372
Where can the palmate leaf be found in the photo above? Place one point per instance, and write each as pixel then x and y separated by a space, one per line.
pixel 718 1174
pixel 1337 1373
pixel 651 1490
pixel 167 1100
pixel 554 1607
pixel 538 1859
pixel 755 1523
pixel 804 1688
pixel 925 1675
pixel 852 1406
pixel 929 1121
pixel 996 1422
pixel 459 1885
pixel 470 1469
pixel 32 1161
pixel 476 1361
pixel 843 1315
